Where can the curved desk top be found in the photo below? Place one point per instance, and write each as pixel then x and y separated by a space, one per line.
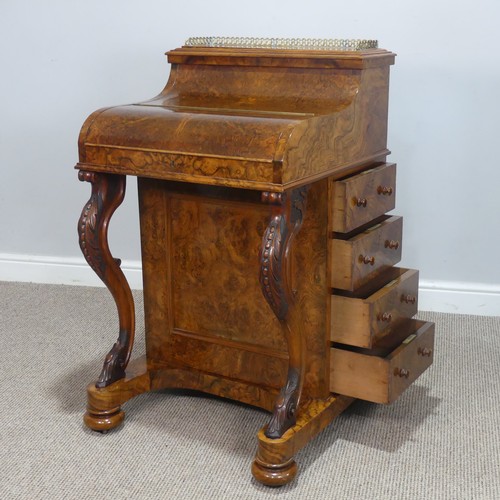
pixel 250 118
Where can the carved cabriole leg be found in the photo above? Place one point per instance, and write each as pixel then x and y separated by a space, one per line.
pixel 296 420
pixel 286 220
pixel 108 192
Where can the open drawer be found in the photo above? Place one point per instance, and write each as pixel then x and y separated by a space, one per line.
pixel 361 198
pixel 382 374
pixel 356 259
pixel 360 318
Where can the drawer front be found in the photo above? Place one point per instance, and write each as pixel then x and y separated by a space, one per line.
pixel 357 260
pixel 362 198
pixel 360 321
pixel 382 379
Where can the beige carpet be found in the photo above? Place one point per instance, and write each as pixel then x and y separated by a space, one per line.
pixel 440 440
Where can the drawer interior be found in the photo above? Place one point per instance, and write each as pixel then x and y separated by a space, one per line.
pixel 384 280
pixel 369 226
pixel 384 346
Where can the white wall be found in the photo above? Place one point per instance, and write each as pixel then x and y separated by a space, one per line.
pixel 61 60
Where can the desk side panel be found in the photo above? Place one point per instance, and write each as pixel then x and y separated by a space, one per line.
pixel 203 303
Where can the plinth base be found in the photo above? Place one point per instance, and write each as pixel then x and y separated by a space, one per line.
pixel 273 464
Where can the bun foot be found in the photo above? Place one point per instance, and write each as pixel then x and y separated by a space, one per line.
pixel 274 475
pixel 103 420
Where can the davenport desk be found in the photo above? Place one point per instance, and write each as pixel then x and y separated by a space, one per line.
pixel 268 258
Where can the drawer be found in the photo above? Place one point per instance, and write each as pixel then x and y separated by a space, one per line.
pixel 361 198
pixel 382 375
pixel 355 260
pixel 361 319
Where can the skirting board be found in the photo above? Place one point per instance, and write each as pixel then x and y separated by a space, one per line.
pixel 458 297
pixel 60 270
pixel 440 296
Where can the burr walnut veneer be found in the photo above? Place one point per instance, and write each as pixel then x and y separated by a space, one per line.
pixel 268 257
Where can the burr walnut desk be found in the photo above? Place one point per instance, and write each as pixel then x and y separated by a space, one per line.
pixel 268 257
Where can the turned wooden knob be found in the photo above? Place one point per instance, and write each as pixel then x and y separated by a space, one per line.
pixel 360 202
pixel 409 299
pixel 385 190
pixel 365 259
pixel 401 372
pixel 393 244
pixel 385 317
pixel 424 351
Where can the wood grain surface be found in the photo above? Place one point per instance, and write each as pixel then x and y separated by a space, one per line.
pixel 359 257
pixel 234 118
pixel 204 307
pixel 361 320
pixel 267 256
pixel 359 199
pixel 382 379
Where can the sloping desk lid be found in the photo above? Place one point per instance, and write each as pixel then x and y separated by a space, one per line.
pixel 256 118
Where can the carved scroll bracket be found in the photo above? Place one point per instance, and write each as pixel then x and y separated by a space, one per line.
pixel 287 213
pixel 108 192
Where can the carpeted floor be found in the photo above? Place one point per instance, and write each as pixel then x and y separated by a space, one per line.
pixel 440 440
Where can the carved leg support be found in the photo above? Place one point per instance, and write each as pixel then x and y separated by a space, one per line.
pixel 274 464
pixel 108 192
pixel 286 220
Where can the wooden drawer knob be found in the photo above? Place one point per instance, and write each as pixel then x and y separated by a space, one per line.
pixel 385 317
pixel 392 244
pixel 385 190
pixel 424 351
pixel 408 299
pixel 364 259
pixel 401 372
pixel 360 202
